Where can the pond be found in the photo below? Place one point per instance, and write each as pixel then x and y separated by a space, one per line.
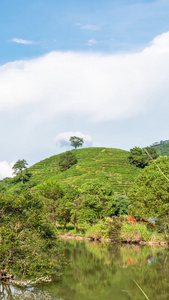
pixel 99 271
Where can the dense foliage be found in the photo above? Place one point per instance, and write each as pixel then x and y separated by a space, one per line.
pixel 91 202
pixel 20 171
pixel 161 147
pixel 150 193
pixel 142 157
pixel 66 160
pixel 27 237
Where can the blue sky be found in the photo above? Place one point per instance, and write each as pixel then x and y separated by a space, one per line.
pixel 70 25
pixel 95 68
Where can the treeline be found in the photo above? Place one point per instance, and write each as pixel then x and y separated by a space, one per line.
pixel 88 203
pixel 159 143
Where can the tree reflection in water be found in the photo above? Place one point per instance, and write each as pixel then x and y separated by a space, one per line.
pixel 100 271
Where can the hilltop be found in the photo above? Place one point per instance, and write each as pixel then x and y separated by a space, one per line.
pixel 105 164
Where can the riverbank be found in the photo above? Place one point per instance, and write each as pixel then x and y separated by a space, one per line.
pixel 78 237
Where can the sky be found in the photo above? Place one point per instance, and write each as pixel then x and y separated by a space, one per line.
pixel 96 69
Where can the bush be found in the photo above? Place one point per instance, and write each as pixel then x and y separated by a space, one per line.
pixel 137 232
pixel 96 231
pixel 107 228
pixel 67 160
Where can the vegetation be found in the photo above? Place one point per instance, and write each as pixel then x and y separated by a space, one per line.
pixel 93 187
pixel 149 194
pixel 66 160
pixel 21 172
pixel 106 165
pixel 140 232
pixel 142 157
pixel 107 228
pixel 161 147
pixel 76 141
pixel 27 237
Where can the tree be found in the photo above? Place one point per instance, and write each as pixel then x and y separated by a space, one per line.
pixel 67 160
pixel 53 193
pixel 151 153
pixel 137 157
pixel 28 238
pixel 20 170
pixel 76 141
pixel 121 203
pixel 149 195
pixel 142 157
pixel 96 201
pixel 19 166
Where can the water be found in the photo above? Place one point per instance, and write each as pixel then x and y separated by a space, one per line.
pixel 106 272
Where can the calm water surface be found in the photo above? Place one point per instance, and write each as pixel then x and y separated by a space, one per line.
pixel 106 272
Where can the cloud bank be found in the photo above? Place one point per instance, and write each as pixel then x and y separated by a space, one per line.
pixel 6 169
pixel 62 139
pixel 99 86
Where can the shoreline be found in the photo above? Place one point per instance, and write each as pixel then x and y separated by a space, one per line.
pixel 69 236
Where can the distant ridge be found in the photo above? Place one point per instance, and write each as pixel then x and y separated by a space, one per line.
pixel 162 147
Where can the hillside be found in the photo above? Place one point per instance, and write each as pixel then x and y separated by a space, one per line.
pixel 105 164
pixel 162 147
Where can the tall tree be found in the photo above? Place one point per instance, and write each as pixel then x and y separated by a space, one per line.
pixel 151 153
pixel 76 141
pixel 20 170
pixel 53 193
pixel 137 157
pixel 142 157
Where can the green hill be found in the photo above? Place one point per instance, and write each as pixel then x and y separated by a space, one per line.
pixel 162 147
pixel 105 164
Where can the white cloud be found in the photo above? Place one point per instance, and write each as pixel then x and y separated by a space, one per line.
pixel 21 41
pixel 62 139
pixel 100 87
pixel 92 42
pixel 6 169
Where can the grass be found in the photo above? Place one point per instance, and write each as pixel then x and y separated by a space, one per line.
pixel 141 290
pixel 140 232
pixel 95 231
pixel 70 229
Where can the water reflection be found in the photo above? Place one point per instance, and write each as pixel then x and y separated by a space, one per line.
pixel 104 272
pixel 10 292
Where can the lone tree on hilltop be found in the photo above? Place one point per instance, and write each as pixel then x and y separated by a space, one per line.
pixel 76 141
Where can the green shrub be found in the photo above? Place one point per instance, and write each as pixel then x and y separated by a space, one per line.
pixel 107 228
pixel 67 160
pixel 95 231
pixel 139 232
